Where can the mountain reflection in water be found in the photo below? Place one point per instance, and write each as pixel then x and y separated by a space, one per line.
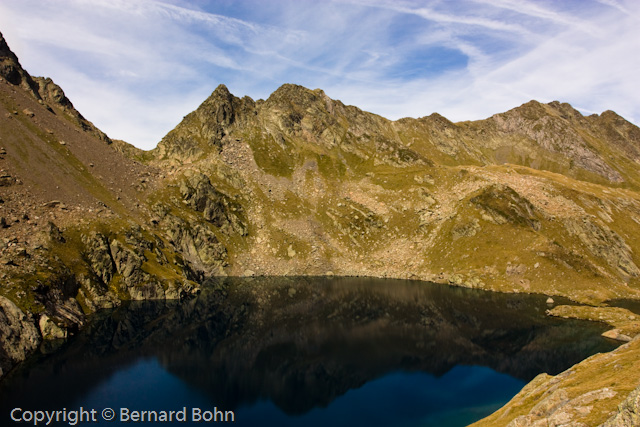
pixel 301 343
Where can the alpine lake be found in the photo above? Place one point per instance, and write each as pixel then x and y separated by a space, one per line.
pixel 303 351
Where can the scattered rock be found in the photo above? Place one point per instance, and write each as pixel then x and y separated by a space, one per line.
pixel 516 269
pixel 550 300
pixel 456 279
pixel 616 334
pixel 50 330
pixel 51 204
pixel 22 252
pixel 291 252
pixel 465 230
pixel 7 180
pixel 54 233
pixel 27 112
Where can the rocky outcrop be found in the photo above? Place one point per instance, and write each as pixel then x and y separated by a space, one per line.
pixel 49 329
pixel 54 96
pixel 204 130
pixel 605 244
pixel 199 246
pixel 217 208
pixel 98 255
pixel 620 132
pixel 121 269
pixel 558 409
pixel 501 204
pixel 43 89
pixel 12 71
pixel 553 128
pixel 628 412
pixel 18 335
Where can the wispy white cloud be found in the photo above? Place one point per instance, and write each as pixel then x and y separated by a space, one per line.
pixel 620 6
pixel 523 7
pixel 135 68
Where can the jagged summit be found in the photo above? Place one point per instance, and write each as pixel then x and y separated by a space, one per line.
pixel 12 71
pixel 43 89
pixel 553 136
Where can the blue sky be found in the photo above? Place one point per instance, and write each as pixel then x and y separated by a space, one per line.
pixel 136 67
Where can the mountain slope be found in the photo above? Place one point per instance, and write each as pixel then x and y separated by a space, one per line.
pixel 61 179
pixel 324 187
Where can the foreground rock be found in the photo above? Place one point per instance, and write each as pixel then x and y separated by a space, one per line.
pixel 628 412
pixel 600 390
pixel 18 335
pixel 626 323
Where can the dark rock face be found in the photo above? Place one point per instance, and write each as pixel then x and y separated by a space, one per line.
pixel 198 245
pixel 12 71
pixel 98 255
pixel 504 205
pixel 18 335
pixel 204 130
pixel 216 208
pixel 120 269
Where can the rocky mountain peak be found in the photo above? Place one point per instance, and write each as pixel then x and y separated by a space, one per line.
pixel 293 100
pixel 44 90
pixel 553 136
pixel 566 111
pixel 438 119
pixel 12 71
pixel 218 108
pixel 221 89
pixel 203 130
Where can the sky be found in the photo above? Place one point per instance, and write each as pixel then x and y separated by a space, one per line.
pixel 136 67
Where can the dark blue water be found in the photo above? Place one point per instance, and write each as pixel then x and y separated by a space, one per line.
pixel 306 352
pixel 459 397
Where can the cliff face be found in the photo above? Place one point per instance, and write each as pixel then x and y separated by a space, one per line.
pixel 538 199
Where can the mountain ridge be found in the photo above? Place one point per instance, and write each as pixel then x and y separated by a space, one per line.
pixel 532 123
